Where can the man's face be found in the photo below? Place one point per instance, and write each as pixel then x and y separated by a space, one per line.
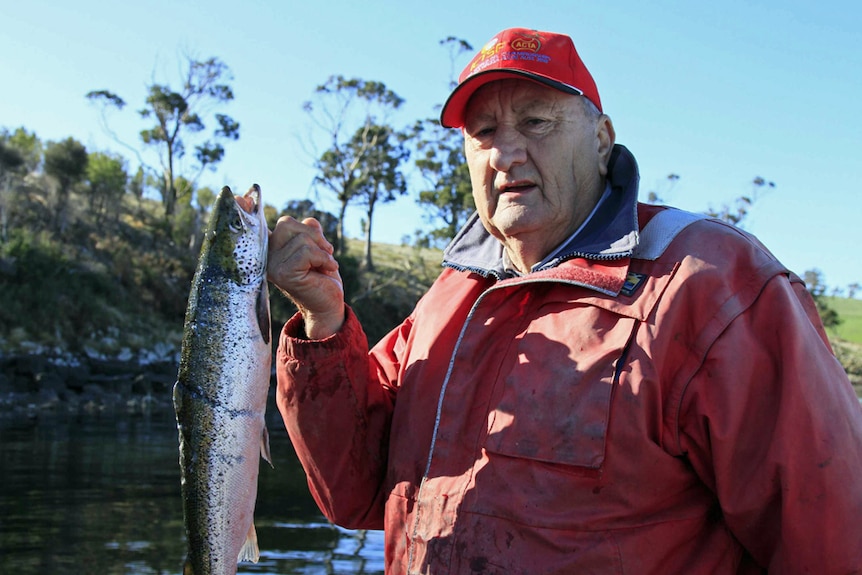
pixel 537 162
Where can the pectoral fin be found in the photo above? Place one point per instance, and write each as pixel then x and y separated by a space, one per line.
pixel 264 321
pixel 264 447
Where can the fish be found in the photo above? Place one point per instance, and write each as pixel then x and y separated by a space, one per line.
pixel 222 386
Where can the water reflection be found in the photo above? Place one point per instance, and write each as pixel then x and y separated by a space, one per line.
pixel 100 494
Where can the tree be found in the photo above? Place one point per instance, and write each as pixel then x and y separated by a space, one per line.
pixel 107 179
pixel 655 197
pixel 736 213
pixel 178 117
pixel 25 144
pixel 20 155
pixel 66 162
pixel 301 209
pixel 340 168
pixel 383 179
pixel 440 160
pixel 185 226
pixel 817 288
pixel 11 161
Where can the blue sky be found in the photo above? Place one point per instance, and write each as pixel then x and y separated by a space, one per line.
pixel 717 93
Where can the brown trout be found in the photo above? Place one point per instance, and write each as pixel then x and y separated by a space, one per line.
pixel 221 390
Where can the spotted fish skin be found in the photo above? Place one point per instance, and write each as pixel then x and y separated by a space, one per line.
pixel 222 386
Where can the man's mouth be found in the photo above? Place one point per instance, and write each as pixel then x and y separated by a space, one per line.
pixel 516 187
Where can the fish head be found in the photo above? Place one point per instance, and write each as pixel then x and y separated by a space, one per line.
pixel 237 236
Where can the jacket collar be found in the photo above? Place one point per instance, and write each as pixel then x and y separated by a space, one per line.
pixel 610 233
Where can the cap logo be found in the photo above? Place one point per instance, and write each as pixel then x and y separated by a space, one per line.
pixel 526 44
pixel 521 48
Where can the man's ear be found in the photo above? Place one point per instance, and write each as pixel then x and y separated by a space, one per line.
pixel 606 136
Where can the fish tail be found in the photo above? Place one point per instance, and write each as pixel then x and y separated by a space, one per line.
pixel 249 551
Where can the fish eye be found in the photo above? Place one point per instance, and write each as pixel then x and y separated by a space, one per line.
pixel 235 225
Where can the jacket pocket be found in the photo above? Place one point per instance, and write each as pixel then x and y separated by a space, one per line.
pixel 553 403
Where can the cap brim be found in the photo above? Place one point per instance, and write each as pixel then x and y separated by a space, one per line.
pixel 452 115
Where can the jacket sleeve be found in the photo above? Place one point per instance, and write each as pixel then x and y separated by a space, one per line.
pixel 336 401
pixel 771 423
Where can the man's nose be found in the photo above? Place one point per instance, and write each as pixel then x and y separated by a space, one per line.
pixel 508 149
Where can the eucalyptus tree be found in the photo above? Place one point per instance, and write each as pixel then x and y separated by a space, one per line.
pixel 301 209
pixel 11 161
pixel 177 117
pixel 383 179
pixel 20 156
pixel 816 286
pixel 737 213
pixel 439 157
pixel 26 145
pixel 349 112
pixel 107 180
pixel 66 163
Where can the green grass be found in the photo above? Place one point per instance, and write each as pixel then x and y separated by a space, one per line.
pixel 847 337
pixel 850 313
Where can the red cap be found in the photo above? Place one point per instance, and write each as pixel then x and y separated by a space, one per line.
pixel 544 57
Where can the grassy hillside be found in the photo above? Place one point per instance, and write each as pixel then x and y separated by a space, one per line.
pixel 384 297
pixel 119 285
pixel 850 312
pixel 847 337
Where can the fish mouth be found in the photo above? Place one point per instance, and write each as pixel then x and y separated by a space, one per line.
pixel 250 202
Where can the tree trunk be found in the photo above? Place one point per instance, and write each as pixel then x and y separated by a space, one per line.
pixel 170 197
pixel 369 264
pixel 61 206
pixel 339 241
pixel 5 192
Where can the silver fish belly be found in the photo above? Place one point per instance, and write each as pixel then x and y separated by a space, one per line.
pixel 221 390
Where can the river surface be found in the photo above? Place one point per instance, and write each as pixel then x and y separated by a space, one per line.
pixel 100 494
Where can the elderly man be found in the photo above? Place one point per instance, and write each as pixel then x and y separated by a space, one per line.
pixel 592 385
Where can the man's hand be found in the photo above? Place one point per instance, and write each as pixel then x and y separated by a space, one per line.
pixel 301 265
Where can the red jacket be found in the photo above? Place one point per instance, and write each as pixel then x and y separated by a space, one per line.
pixel 660 398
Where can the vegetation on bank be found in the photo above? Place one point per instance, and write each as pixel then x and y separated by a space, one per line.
pixel 103 291
pixel 118 288
pixel 91 264
pixel 849 312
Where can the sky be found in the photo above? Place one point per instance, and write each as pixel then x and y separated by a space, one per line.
pixel 717 93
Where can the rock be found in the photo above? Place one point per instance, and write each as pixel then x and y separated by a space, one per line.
pixel 76 377
pixel 28 364
pixel 113 368
pixel 5 383
pixel 31 382
pixel 50 381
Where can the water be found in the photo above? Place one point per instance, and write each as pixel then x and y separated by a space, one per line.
pixel 100 494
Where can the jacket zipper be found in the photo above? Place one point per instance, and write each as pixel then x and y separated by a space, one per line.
pixel 451 366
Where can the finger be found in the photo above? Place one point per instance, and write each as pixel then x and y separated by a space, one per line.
pixel 287 228
pixel 321 239
pixel 297 259
pixel 302 251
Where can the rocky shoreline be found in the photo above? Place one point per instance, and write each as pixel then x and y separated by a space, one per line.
pixel 31 384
